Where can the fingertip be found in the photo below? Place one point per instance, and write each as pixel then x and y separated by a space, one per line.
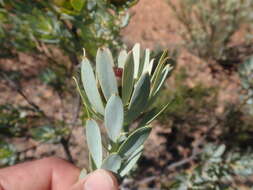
pixel 98 180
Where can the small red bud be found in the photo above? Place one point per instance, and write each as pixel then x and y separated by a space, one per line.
pixel 118 71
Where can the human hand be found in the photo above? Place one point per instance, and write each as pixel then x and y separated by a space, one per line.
pixel 53 174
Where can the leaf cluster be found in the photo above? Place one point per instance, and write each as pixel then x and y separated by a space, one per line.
pixel 121 93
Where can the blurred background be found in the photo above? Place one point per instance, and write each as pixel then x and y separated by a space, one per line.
pixel 204 138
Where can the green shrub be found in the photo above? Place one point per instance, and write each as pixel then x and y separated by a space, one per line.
pixel 208 26
pixel 246 73
pixel 40 26
pixel 217 170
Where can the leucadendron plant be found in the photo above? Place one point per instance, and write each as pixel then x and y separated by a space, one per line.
pixel 118 94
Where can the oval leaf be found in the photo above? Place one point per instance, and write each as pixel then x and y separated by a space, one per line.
pixel 90 87
pixel 86 102
pixel 131 162
pixel 92 165
pixel 94 142
pixel 163 76
pixel 146 61
pixel 106 76
pixel 152 115
pixel 150 66
pixel 122 59
pixel 134 141
pixel 141 64
pixel 128 79
pixel 136 54
pixel 114 116
pixel 112 163
pixel 139 98
pixel 160 65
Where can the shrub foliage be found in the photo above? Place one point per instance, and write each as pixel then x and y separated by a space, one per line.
pixel 40 26
pixel 208 26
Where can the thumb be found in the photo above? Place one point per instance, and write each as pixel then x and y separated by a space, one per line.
pixel 97 180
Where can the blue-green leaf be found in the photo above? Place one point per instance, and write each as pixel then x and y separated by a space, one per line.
pixel 92 165
pixel 150 66
pixel 122 58
pixel 114 116
pixel 141 64
pixel 90 87
pixel 134 141
pixel 152 115
pixel 86 102
pixel 94 142
pixel 131 162
pixel 139 98
pixel 146 61
pixel 136 54
pixel 106 76
pixel 161 79
pixel 160 66
pixel 112 163
pixel 128 78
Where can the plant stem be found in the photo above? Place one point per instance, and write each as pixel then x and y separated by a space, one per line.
pixel 65 145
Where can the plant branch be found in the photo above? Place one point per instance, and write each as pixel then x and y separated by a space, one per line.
pixel 196 151
pixel 17 88
pixel 65 145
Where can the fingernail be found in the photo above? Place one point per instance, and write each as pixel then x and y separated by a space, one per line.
pixel 100 180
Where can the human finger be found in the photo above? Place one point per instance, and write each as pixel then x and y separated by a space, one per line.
pixel 97 180
pixel 45 174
